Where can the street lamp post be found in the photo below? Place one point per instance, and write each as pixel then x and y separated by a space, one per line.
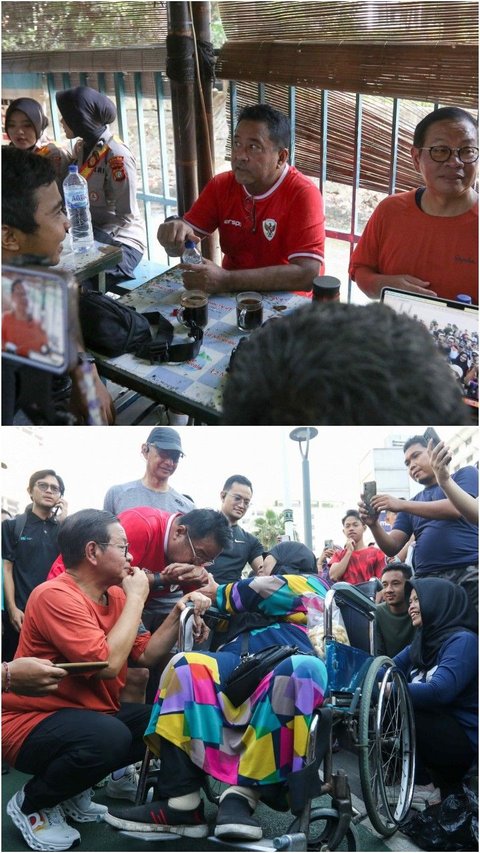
pixel 304 434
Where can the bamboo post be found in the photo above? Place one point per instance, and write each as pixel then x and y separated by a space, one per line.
pixel 204 110
pixel 181 71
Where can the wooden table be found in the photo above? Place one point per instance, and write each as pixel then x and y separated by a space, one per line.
pixel 92 264
pixel 193 387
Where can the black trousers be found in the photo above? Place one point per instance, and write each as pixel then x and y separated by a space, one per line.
pixel 178 775
pixel 73 749
pixel 444 752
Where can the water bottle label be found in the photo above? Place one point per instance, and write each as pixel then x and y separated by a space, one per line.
pixel 76 198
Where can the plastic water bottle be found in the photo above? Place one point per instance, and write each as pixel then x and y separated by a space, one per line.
pixel 191 255
pixel 464 297
pixel 75 190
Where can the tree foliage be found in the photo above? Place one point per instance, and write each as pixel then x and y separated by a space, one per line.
pixel 268 527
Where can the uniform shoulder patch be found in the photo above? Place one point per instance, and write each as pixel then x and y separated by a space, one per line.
pixel 117 165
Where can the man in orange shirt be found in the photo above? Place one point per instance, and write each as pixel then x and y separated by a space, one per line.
pixel 71 739
pixel 20 331
pixel 425 240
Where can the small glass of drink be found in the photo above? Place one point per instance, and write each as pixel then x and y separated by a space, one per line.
pixel 249 311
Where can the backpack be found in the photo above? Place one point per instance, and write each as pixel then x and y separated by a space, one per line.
pixel 112 329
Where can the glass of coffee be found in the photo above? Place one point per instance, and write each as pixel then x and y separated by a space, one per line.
pixel 193 308
pixel 249 311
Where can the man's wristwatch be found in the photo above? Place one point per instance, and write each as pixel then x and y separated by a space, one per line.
pixel 171 218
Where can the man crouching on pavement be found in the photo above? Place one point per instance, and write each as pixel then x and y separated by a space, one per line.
pixel 71 739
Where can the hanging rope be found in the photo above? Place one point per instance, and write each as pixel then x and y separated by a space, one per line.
pixel 204 53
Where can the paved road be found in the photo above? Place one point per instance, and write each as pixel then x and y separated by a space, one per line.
pixel 100 836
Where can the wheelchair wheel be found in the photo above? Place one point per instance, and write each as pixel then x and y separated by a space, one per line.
pixel 386 745
pixel 321 828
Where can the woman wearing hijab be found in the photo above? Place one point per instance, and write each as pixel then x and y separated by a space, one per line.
pixel 25 125
pixel 441 665
pixel 110 171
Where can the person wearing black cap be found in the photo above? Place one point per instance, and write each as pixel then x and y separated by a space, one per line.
pixel 25 124
pixel 161 451
pixel 110 171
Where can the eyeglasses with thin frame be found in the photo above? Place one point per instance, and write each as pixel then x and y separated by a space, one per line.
pixel 239 500
pixel 197 561
pixel 48 487
pixel 124 548
pixel 442 153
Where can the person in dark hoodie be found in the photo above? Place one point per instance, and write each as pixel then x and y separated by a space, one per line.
pixel 110 171
pixel 25 125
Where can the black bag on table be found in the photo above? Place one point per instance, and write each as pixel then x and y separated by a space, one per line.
pixel 112 329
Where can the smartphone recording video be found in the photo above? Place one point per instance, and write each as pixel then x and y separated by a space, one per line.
pixel 369 491
pixel 430 433
pixel 39 318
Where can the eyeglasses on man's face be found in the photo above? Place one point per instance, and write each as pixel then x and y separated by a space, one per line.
pixel 197 559
pixel 48 487
pixel 123 548
pixel 442 153
pixel 237 499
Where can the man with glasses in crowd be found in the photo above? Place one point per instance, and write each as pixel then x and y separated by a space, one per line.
pixel 68 741
pixel 269 216
pixel 161 451
pixel 29 546
pixel 425 240
pixel 236 497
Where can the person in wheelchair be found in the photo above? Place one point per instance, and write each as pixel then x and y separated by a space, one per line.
pixel 441 666
pixel 256 747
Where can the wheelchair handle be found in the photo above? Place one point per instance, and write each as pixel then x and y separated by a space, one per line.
pixel 185 617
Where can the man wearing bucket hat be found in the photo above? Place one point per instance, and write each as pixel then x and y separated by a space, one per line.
pixel 161 451
pixel 25 125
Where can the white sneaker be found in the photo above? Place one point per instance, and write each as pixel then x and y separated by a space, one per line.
pixel 43 830
pixel 82 808
pixel 124 788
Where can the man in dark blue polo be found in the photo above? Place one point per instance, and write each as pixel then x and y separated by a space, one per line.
pixel 446 544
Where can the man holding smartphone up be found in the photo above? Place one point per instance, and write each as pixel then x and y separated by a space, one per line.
pixel 446 543
pixel 29 547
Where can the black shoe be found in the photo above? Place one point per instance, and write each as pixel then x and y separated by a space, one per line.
pixel 158 816
pixel 235 819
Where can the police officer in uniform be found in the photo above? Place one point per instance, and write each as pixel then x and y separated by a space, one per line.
pixel 110 170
